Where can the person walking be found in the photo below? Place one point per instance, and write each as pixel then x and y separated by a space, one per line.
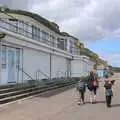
pixel 105 73
pixel 109 82
pixel 81 88
pixel 93 85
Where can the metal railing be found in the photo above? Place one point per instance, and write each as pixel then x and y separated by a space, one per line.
pixel 39 73
pixel 60 74
pixel 28 32
pixel 27 74
pixel 80 74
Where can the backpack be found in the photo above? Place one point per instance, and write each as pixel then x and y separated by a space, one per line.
pixel 108 85
pixel 81 85
pixel 95 82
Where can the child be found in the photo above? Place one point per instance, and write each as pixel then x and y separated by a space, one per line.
pixel 81 88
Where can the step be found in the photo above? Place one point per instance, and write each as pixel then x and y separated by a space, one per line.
pixel 14 88
pixel 20 96
pixel 7 86
pixel 28 89
pixel 20 86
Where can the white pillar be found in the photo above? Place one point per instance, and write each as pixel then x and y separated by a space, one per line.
pixel 68 45
pixel 0 60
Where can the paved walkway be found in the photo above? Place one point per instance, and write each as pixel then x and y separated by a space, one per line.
pixel 63 106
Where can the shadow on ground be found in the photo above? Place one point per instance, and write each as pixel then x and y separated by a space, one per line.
pixel 115 105
pixel 97 102
pixel 101 102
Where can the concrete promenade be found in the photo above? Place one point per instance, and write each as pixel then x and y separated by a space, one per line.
pixel 63 106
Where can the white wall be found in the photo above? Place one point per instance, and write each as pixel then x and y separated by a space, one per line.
pixel 81 67
pixel 34 61
pixel 59 66
pixel 76 68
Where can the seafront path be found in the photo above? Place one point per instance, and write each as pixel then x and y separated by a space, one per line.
pixel 63 106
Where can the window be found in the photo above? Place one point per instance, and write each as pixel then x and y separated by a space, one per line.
pixel 13 25
pixel 3 57
pixel 60 43
pixel 36 33
pixel 29 30
pixel 25 29
pixel 65 44
pixel 21 27
pixel 45 37
pixel 5 23
pixel 52 40
pixel 71 47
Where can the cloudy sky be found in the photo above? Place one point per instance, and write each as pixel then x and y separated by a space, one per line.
pixel 95 22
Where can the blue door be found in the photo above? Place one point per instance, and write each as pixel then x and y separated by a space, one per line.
pixel 11 65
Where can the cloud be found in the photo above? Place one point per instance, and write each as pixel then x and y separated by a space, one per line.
pixel 113 58
pixel 17 4
pixel 89 20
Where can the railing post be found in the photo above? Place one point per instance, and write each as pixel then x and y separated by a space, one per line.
pixel 17 74
pixel 22 66
pixel 50 65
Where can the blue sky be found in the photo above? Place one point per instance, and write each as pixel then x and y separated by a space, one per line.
pixel 107 49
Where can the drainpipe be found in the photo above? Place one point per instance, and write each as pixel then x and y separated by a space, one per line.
pixel 71 66
pixel 22 66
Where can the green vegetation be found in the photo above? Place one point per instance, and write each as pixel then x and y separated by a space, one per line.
pixel 79 45
pixel 53 26
pixel 114 69
pixel 93 56
pixel 2 35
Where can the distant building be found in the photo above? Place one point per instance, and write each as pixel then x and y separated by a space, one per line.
pixel 101 70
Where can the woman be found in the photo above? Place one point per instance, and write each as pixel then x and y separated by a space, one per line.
pixel 92 86
pixel 108 90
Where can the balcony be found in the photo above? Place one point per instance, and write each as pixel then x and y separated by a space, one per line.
pixel 34 33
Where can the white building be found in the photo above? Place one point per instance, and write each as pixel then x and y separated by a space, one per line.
pixel 101 69
pixel 34 48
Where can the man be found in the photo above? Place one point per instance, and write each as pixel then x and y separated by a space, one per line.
pixel 105 73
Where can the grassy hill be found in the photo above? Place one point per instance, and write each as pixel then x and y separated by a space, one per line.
pixel 93 56
pixel 115 69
